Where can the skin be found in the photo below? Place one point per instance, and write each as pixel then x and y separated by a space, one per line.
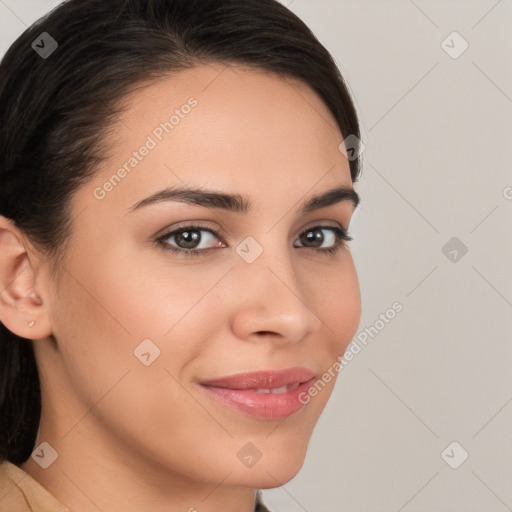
pixel 132 437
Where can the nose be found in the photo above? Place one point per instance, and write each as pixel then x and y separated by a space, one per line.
pixel 273 301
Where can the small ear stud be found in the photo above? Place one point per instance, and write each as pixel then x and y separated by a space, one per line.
pixel 30 324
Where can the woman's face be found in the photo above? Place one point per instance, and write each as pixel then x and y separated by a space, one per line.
pixel 139 327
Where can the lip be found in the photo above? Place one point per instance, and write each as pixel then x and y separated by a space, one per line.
pixel 239 391
pixel 270 379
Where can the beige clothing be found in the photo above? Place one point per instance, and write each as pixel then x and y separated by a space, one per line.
pixel 19 492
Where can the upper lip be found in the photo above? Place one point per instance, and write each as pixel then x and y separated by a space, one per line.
pixel 270 379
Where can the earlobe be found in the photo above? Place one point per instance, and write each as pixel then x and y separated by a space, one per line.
pixel 22 309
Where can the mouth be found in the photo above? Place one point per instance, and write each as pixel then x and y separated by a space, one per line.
pixel 277 391
pixel 267 395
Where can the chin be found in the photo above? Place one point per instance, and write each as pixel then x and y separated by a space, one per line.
pixel 269 474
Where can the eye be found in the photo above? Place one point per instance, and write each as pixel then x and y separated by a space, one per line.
pixel 335 238
pixel 189 240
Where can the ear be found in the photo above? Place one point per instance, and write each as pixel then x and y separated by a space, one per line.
pixel 23 292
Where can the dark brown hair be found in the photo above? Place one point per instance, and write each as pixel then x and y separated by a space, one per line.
pixel 55 113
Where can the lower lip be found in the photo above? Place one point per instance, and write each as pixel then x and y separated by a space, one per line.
pixel 268 406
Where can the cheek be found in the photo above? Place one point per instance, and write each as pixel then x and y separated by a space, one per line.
pixel 107 387
pixel 93 335
pixel 111 315
pixel 339 303
pixel 339 307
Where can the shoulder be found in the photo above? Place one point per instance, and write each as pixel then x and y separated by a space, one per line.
pixel 21 493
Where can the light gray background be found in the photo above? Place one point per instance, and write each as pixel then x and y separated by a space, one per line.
pixel 437 164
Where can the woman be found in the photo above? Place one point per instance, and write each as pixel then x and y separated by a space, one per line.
pixel 176 285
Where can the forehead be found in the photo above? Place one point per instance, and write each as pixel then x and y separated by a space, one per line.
pixel 234 100
pixel 233 128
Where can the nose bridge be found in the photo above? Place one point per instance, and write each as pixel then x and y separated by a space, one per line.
pixel 272 298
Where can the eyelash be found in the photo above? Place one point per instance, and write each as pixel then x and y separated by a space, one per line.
pixel 341 237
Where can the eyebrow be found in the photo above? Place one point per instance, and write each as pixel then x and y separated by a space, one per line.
pixel 239 204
